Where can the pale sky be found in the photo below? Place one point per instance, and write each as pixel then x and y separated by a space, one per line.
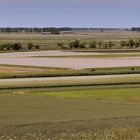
pixel 69 13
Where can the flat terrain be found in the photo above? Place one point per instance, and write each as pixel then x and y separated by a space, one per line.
pixel 108 112
pixel 85 94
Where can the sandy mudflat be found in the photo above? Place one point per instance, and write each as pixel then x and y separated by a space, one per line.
pixel 46 53
pixel 25 58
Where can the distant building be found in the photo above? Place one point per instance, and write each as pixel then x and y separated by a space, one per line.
pixel 46 33
pixel 66 32
pixel 135 29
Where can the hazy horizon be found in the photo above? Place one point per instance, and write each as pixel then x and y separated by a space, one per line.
pixel 66 13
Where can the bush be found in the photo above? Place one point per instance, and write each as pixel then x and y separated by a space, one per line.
pixel 37 47
pixel 105 46
pixel 132 69
pixel 110 44
pixel 82 45
pixel 74 44
pixel 123 43
pixel 92 44
pixel 30 46
pixel 100 44
pixel 60 44
pixel 131 42
pixel 9 46
pixel 17 46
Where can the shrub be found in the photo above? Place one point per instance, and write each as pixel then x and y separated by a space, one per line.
pixel 100 44
pixel 60 44
pixel 110 44
pixel 30 46
pixel 123 43
pixel 37 46
pixel 74 44
pixel 92 44
pixel 17 46
pixel 131 42
pixel 82 45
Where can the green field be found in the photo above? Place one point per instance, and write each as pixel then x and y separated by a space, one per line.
pixel 106 112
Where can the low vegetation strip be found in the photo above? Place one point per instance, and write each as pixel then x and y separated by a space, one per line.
pixel 14 71
pixel 70 81
pixel 103 129
pixel 110 92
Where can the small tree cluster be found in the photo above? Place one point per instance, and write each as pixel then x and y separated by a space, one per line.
pixel 11 46
pixel 105 45
pixel 31 46
pixel 92 44
pixel 77 44
pixel 130 43
pixel 74 44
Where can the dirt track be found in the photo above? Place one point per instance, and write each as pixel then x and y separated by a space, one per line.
pixel 25 58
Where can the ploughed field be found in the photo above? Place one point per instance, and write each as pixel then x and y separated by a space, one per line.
pixel 73 60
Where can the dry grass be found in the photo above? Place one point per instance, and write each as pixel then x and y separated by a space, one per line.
pixel 104 129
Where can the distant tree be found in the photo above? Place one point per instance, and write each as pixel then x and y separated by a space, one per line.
pixel 105 46
pixel 30 46
pixel 17 46
pixel 110 44
pixel 127 44
pixel 82 45
pixel 92 44
pixel 74 44
pixel 131 43
pixel 123 43
pixel 37 47
pixel 137 44
pixel 100 44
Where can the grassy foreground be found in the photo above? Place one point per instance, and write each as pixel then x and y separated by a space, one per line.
pixel 91 113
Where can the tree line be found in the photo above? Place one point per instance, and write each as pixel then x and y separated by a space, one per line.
pixel 18 46
pixel 94 44
pixel 53 30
